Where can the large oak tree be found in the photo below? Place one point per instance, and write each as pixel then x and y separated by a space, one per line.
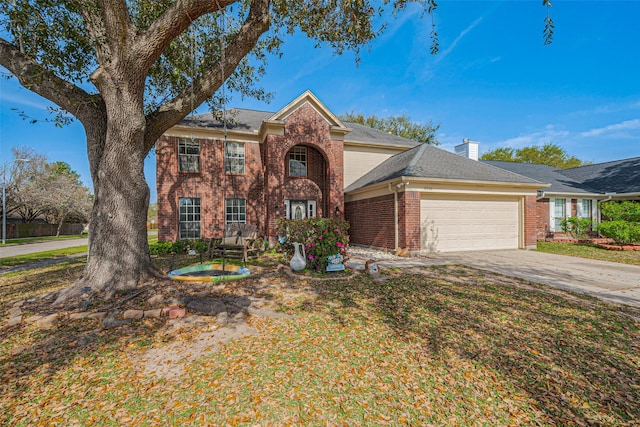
pixel 128 70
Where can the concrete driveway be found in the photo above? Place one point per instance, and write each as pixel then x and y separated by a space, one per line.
pixel 613 282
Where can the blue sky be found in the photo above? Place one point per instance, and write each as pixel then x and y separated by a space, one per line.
pixel 493 81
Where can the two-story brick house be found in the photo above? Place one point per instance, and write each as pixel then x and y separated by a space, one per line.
pixel 302 161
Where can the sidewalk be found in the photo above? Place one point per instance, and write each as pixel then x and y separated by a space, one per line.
pixel 30 248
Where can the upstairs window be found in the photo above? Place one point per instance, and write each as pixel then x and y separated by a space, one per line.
pixel 188 155
pixel 298 161
pixel 189 225
pixel 234 158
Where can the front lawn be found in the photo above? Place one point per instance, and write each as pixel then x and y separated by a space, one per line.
pixel 590 251
pixel 427 346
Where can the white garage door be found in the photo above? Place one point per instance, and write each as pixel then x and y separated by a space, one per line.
pixel 461 223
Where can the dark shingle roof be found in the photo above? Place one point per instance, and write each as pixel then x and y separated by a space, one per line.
pixel 427 161
pixel 236 118
pixel 620 176
pixel 559 183
pixel 251 120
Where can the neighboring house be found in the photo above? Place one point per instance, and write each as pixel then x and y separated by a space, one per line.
pixel 577 191
pixel 302 161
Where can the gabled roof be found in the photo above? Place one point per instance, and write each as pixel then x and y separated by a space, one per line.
pixel 560 184
pixel 307 97
pixel 427 161
pixel 620 176
pixel 239 119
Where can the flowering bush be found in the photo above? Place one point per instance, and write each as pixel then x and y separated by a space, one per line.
pixel 321 238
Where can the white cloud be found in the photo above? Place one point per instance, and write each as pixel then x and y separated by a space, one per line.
pixel 464 32
pixel 12 100
pixel 617 127
pixel 549 134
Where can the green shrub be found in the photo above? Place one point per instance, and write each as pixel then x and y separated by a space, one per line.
pixel 625 210
pixel 578 228
pixel 622 232
pixel 180 246
pixel 321 238
pixel 161 248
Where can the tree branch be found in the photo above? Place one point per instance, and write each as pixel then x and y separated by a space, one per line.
pixel 173 22
pixel 47 84
pixel 173 111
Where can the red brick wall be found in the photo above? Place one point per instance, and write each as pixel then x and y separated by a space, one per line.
pixel 409 220
pixel 542 219
pixel 324 182
pixel 531 221
pixel 372 221
pixel 211 185
pixel 265 183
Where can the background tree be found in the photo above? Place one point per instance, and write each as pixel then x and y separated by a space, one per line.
pixel 66 199
pixel 24 190
pixel 549 154
pixel 51 190
pixel 397 125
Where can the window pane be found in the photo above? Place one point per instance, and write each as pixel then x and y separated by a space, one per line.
pixel 189 218
pixel 188 155
pixel 235 211
pixel 298 161
pixel 234 158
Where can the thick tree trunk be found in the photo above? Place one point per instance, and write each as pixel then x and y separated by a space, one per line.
pixel 118 250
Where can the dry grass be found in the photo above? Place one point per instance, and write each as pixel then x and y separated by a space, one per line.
pixel 432 346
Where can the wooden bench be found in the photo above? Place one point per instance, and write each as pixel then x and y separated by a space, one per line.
pixel 239 241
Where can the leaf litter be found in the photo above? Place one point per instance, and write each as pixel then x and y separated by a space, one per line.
pixel 433 346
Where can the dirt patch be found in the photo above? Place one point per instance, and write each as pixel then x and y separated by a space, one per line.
pixel 169 361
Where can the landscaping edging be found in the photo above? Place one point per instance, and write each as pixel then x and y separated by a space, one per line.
pixel 610 247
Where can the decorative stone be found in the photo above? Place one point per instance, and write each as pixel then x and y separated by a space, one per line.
pixel 177 313
pixel 33 319
pixel 15 320
pixel 98 315
pixel 166 310
pixel 78 316
pixel 47 322
pixel 153 313
pixel 156 300
pixel 133 314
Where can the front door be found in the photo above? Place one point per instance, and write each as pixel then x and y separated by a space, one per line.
pixel 300 209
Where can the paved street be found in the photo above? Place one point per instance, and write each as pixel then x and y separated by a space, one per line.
pixel 30 248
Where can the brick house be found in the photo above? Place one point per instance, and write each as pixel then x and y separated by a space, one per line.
pixel 576 191
pixel 302 161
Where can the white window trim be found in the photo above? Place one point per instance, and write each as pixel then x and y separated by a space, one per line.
pixel 190 158
pixel 193 214
pixel 310 213
pixel 305 162
pixel 552 211
pixel 237 157
pixel 226 212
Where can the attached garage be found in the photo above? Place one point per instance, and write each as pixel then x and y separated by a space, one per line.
pixel 429 200
pixel 451 223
